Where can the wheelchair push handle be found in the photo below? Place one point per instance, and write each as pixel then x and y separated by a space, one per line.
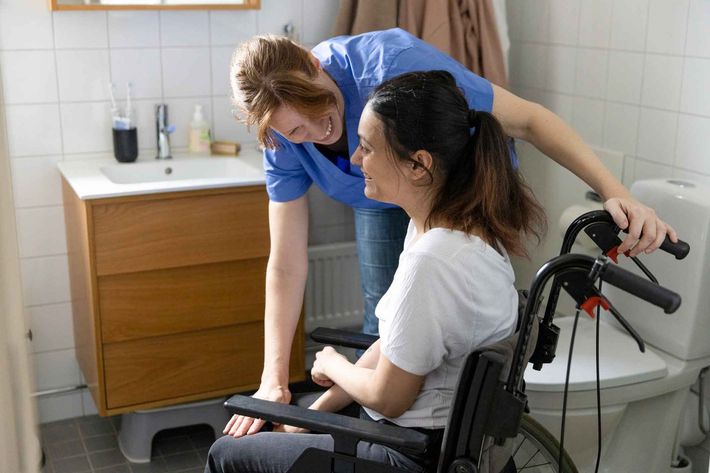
pixel 627 281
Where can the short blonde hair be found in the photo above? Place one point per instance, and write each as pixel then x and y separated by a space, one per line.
pixel 269 71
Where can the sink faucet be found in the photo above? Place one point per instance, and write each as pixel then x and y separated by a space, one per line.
pixel 163 131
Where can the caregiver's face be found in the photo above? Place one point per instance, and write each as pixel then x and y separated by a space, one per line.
pixel 298 128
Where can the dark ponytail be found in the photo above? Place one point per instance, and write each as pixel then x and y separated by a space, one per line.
pixel 477 188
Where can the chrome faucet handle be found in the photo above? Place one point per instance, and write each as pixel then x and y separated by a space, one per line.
pixel 163 131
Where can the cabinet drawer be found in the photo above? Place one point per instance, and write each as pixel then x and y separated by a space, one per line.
pixel 142 235
pixel 167 301
pixel 161 368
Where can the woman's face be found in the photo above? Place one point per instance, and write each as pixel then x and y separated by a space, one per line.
pixel 384 176
pixel 297 128
pixel 325 130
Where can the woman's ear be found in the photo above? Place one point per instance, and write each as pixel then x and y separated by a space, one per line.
pixel 421 163
pixel 314 60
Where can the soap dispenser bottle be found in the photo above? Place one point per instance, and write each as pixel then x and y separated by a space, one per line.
pixel 199 141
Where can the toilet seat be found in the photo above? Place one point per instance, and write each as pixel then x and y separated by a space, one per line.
pixel 620 361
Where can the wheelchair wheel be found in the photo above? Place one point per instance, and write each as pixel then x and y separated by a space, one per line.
pixel 535 450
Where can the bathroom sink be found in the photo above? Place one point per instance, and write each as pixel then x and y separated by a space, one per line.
pixel 105 178
pixel 180 170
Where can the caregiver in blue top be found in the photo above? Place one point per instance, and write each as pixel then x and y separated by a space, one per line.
pixel 305 107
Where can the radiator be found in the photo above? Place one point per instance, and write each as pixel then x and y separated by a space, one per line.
pixel 333 293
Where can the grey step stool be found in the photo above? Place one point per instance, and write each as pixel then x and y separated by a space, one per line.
pixel 138 428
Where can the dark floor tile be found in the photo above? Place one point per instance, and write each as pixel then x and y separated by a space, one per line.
pixel 61 431
pixel 59 450
pixel 116 422
pixel 156 465
pixel 115 469
pixel 183 461
pixel 71 465
pixel 203 437
pixel 203 454
pixel 47 468
pixel 101 442
pixel 95 425
pixel 171 445
pixel 107 458
pixel 193 470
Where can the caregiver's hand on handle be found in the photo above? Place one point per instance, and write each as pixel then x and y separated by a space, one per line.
pixel 646 231
pixel 238 426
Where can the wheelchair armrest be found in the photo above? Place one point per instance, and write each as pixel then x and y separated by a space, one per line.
pixel 343 338
pixel 327 422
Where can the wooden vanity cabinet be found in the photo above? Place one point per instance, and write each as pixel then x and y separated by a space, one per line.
pixel 168 295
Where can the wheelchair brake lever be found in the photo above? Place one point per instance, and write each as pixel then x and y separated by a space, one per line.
pixel 606 237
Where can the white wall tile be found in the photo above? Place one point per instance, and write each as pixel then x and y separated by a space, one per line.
pixel 515 10
pixel 657 131
pixel 533 61
pixel 561 105
pixel 52 327
pixel 45 280
pixel 226 127
pixel 41 231
pixel 698 40
pixel 318 27
pixel 274 14
pixel 564 21
pixel 535 21
pixel 25 24
pixel 86 127
pixel 628 176
pixel 649 170
pixel 141 67
pixel 692 150
pixel 80 29
pixel 186 72
pixel 588 120
pixel 667 22
pixel 28 77
pixel 180 114
pixel 59 407
pixel 144 117
pixel 229 28
pixel 36 181
pixel 628 25
pixel 221 59
pixel 620 127
pixel 33 130
pixel 184 28
pixel 56 369
pixel 133 29
pixel 591 73
pixel 83 74
pixel 594 23
pixel 88 405
pixel 694 96
pixel 561 69
pixel 661 81
pixel 625 71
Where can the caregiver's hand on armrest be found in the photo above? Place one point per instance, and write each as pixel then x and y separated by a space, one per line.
pixel 239 425
pixel 646 231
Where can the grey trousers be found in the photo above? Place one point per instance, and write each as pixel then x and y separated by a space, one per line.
pixel 275 452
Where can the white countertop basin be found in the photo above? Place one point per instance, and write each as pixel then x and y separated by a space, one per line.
pixel 102 178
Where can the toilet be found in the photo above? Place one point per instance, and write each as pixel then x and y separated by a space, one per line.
pixel 642 394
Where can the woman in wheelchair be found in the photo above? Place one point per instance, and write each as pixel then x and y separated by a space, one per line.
pixel 450 169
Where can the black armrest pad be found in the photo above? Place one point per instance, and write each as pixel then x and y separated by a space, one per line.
pixel 343 338
pixel 327 422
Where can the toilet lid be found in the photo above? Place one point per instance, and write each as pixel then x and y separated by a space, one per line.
pixel 620 361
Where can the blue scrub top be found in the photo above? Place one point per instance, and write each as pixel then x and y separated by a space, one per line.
pixel 358 64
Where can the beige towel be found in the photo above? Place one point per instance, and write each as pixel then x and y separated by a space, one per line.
pixel 359 16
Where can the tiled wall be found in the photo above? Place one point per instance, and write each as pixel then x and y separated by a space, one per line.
pixel 629 75
pixel 55 68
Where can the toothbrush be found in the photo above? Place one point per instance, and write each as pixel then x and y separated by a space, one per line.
pixel 129 108
pixel 114 108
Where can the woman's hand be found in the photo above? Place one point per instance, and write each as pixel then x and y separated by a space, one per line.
pixel 646 230
pixel 319 372
pixel 240 425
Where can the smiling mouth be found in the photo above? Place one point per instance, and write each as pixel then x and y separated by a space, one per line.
pixel 329 131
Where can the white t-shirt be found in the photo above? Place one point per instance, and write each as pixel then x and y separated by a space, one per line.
pixel 452 293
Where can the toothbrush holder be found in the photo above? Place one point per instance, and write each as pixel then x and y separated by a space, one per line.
pixel 125 145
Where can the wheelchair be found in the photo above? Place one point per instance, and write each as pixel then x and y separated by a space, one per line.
pixel 487 429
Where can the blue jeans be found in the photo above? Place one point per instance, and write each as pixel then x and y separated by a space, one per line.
pixel 380 237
